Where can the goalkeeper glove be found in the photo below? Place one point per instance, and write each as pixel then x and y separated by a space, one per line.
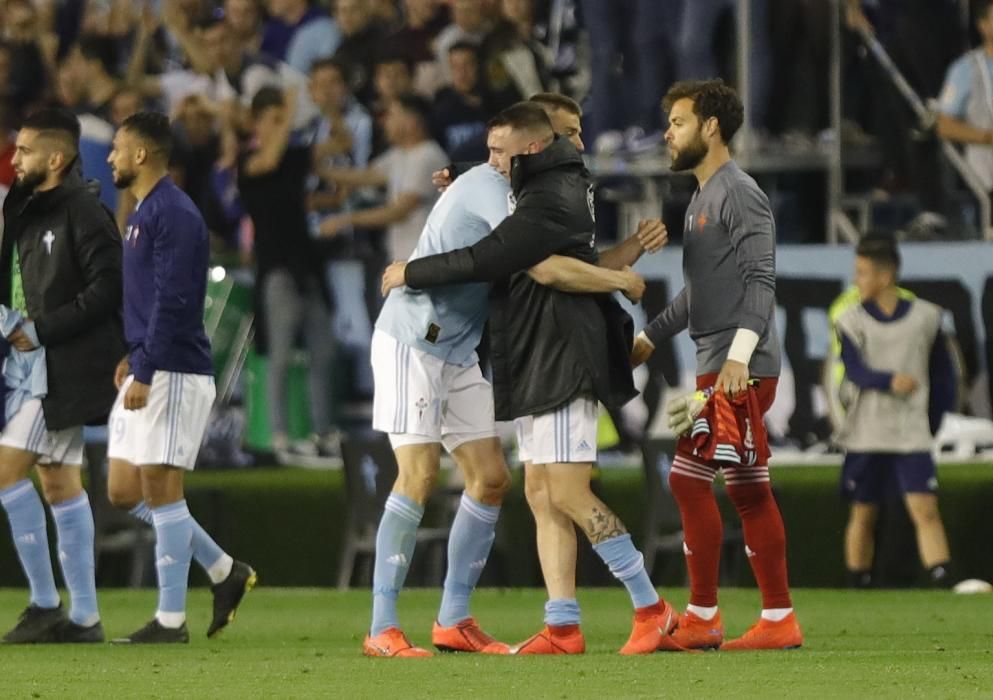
pixel 683 410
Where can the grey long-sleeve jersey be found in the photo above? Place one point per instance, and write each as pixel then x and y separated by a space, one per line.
pixel 729 271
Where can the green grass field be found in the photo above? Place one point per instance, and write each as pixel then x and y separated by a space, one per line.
pixel 302 643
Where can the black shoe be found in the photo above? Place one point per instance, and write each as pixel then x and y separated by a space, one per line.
pixel 154 633
pixel 228 594
pixel 71 633
pixel 36 626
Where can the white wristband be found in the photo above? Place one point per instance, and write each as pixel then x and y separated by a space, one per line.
pixel 743 346
pixel 643 337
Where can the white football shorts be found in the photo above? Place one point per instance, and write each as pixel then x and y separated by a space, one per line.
pixel 170 428
pixel 421 399
pixel 26 430
pixel 566 434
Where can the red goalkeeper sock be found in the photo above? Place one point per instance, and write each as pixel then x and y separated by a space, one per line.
pixel 703 534
pixel 765 540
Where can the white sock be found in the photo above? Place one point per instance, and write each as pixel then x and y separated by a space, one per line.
pixel 220 569
pixel 776 614
pixel 702 613
pixel 172 620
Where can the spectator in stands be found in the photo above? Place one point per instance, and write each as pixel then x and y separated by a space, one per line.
pixel 299 33
pixel 123 104
pixel 96 60
pixel 415 40
pixel 633 36
pixel 468 25
pixel 25 61
pixel 360 44
pixel 697 58
pixel 206 47
pixel 343 133
pixel 514 62
pixel 461 109
pixel 966 103
pixel 69 92
pixel 896 357
pixel 392 76
pixel 343 130
pixel 405 170
pixel 196 150
pixel 244 17
pixel 272 177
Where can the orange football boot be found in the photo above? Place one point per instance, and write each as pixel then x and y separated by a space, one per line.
pixel 564 639
pixel 392 642
pixel 651 630
pixel 466 636
pixel 766 634
pixel 694 632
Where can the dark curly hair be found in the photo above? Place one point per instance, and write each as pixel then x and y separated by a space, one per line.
pixel 711 98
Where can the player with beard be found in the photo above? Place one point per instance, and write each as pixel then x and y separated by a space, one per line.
pixel 60 291
pixel 728 306
pixel 166 381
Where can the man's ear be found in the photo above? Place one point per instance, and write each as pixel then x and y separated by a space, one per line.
pixel 56 160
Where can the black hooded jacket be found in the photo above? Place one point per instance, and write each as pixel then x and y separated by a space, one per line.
pixel 547 346
pixel 70 254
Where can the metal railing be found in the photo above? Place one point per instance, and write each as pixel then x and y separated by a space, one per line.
pixel 927 118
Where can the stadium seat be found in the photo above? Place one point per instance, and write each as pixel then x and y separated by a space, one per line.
pixel 370 470
pixel 663 528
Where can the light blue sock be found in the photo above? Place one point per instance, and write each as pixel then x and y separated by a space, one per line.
pixel 469 544
pixel 206 552
pixel 173 553
pixel 628 566
pixel 74 525
pixel 27 525
pixel 394 549
pixel 562 611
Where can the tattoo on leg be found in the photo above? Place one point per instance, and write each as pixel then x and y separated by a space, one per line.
pixel 603 525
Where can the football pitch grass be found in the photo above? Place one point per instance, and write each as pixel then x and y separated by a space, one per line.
pixel 303 643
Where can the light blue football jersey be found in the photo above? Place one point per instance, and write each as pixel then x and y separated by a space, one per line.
pixel 448 321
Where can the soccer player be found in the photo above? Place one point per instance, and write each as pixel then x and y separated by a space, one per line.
pixel 166 383
pixel 554 530
pixel 430 394
pixel 567 350
pixel 728 305
pixel 896 357
pixel 60 287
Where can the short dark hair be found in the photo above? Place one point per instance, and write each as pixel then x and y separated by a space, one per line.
pixel 464 46
pixel 393 56
pixel 418 106
pixel 153 128
pixel 94 47
pixel 267 97
pixel 333 64
pixel 524 116
pixel 556 100
pixel 881 249
pixel 58 123
pixel 711 98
